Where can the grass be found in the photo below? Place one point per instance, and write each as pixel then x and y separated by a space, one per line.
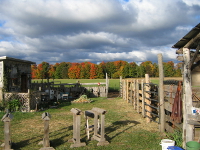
pixel 125 129
pixel 114 84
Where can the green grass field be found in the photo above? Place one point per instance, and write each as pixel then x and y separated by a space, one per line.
pixel 125 129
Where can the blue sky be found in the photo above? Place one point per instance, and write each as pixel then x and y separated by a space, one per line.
pixel 94 30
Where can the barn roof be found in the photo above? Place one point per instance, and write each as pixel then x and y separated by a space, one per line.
pixel 190 40
pixel 16 60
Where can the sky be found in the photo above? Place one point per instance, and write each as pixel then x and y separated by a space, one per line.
pixel 56 31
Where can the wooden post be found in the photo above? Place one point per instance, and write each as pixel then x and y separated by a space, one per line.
pixel 99 137
pixel 188 130
pixel 76 128
pixel 135 92
pixel 138 100
pixel 121 87
pixel 124 89
pixel 7 134
pixel 127 93
pixel 161 94
pixel 131 92
pixel 46 143
pixel 107 85
pixel 147 95
pixel 143 99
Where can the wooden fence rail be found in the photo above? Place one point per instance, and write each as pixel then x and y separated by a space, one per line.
pixel 144 97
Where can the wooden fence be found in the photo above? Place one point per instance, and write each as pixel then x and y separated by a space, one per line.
pixel 32 98
pixel 74 89
pixel 144 97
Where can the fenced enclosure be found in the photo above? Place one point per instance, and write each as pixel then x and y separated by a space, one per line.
pixel 46 93
pixel 143 96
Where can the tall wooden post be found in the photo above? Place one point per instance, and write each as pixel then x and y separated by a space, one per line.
pixel 187 98
pixel 121 87
pixel 138 100
pixel 131 92
pixel 161 94
pixel 147 95
pixel 143 99
pixel 127 92
pixel 107 85
pixel 135 94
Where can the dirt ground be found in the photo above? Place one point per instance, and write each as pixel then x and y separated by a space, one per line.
pixel 124 106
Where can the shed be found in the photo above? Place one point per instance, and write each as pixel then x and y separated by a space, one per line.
pixel 15 75
pixel 188 52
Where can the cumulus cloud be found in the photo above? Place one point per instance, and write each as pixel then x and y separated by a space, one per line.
pixel 94 30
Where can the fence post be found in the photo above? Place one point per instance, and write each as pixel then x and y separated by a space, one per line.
pixel 147 95
pixel 161 94
pixel 135 92
pixel 138 100
pixel 107 85
pixel 121 87
pixel 127 91
pixel 143 99
pixel 131 92
pixel 124 90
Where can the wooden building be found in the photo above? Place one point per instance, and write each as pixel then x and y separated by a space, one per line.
pixel 188 52
pixel 15 75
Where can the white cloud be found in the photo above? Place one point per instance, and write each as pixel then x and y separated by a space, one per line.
pixel 94 30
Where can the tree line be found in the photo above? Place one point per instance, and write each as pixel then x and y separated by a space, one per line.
pixel 115 69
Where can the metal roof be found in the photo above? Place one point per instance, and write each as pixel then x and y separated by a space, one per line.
pixel 14 59
pixel 193 34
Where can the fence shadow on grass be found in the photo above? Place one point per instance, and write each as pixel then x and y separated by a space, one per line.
pixel 60 134
pixel 117 125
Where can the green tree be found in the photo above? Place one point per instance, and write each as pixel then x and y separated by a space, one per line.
pixel 99 72
pixel 168 68
pixel 178 70
pixel 125 71
pixel 110 69
pixel 43 70
pixel 133 70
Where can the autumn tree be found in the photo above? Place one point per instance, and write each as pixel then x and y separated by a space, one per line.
pixel 74 71
pixel 52 70
pixel 93 74
pixel 85 70
pixel 33 71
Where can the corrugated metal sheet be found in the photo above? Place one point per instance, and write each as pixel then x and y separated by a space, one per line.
pixel 190 35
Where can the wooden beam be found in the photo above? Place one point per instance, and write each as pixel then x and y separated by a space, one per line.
pixel 179 51
pixel 187 98
pixel 192 41
pixel 195 56
pixel 161 93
